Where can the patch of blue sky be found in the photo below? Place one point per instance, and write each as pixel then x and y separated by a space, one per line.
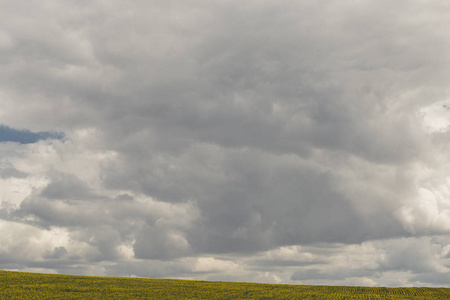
pixel 8 134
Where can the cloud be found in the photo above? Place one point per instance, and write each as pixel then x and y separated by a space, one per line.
pixel 11 173
pixel 272 142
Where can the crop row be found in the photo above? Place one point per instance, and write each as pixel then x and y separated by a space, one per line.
pixel 17 285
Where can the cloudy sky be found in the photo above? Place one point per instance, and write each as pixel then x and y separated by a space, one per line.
pixel 301 142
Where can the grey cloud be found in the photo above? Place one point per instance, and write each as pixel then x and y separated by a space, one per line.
pixel 315 274
pixel 57 253
pixel 67 186
pixel 264 264
pixel 434 279
pixel 156 243
pixel 47 213
pixel 11 172
pixel 148 268
pixel 417 255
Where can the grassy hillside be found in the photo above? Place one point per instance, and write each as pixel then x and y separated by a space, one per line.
pixel 17 285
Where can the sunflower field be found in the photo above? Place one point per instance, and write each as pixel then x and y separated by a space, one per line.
pixel 20 285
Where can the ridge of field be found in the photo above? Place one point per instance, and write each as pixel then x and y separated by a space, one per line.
pixel 21 285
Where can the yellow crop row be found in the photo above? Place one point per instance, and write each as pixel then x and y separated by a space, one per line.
pixel 18 285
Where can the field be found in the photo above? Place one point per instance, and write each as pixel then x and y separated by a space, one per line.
pixel 18 285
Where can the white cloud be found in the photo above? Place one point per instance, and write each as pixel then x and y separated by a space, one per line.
pixel 436 117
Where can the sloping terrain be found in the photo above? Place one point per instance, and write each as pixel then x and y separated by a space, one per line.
pixel 19 285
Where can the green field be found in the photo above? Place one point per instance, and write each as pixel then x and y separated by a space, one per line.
pixel 18 285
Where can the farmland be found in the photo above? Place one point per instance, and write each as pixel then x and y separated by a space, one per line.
pixel 19 285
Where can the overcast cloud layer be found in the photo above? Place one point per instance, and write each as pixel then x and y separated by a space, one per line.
pixel 297 142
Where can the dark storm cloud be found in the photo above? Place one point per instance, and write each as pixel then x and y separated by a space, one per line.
pixel 221 131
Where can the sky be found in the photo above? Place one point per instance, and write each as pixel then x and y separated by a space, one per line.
pixel 300 142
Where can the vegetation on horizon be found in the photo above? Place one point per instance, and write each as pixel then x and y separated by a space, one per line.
pixel 20 285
